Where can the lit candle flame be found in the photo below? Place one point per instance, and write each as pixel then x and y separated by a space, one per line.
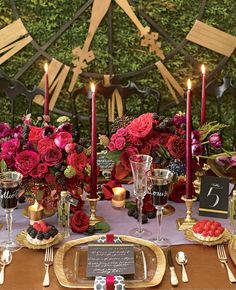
pixel 46 67
pixel 93 87
pixel 203 69
pixel 189 84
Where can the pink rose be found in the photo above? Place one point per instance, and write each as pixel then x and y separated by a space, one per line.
pixel 9 147
pixel 52 156
pixel 112 146
pixel 121 132
pixel 120 143
pixel 141 126
pixel 125 155
pixel 62 139
pixel 26 161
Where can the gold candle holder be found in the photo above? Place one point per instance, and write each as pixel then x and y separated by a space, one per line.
pixel 35 212
pixel 187 222
pixel 94 219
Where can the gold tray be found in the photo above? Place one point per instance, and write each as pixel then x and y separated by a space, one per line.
pixel 232 249
pixel 21 239
pixel 71 261
pixel 189 236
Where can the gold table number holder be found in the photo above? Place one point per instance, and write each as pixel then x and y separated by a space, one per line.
pixel 94 219
pixel 187 222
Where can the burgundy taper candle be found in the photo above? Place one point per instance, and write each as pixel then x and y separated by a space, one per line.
pixel 46 93
pixel 93 193
pixel 203 104
pixel 189 144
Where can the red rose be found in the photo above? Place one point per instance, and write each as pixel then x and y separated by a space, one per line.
pixel 42 169
pixel 79 161
pixel 9 147
pixel 79 222
pixel 52 156
pixel 176 146
pixel 51 179
pixel 35 134
pixel 44 144
pixel 26 161
pixel 141 126
pixel 125 155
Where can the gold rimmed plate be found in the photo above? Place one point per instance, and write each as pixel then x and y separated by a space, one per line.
pixel 225 238
pixel 21 239
pixel 70 263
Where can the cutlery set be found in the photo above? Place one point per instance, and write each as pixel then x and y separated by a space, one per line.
pixel 181 259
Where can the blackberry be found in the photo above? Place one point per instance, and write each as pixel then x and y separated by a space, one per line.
pixel 131 211
pixel 172 129
pixel 183 126
pixel 40 236
pixel 57 166
pixel 168 121
pixel 155 116
pixel 33 233
pixel 30 228
pixel 151 214
pixel 79 148
pixel 177 167
pixel 161 118
pixel 47 235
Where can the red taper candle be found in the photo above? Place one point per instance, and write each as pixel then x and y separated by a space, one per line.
pixel 189 144
pixel 93 193
pixel 46 92
pixel 203 105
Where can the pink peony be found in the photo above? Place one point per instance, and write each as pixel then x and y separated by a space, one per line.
pixel 141 126
pixel 62 139
pixel 10 147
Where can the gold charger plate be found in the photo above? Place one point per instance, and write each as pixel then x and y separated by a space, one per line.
pixel 232 249
pixel 21 239
pixel 70 263
pixel 225 238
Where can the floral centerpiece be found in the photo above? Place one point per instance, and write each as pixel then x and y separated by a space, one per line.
pixel 46 156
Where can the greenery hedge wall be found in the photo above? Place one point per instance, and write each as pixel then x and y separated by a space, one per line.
pixel 43 18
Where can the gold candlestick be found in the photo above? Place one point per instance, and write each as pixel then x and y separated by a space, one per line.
pixel 94 219
pixel 187 222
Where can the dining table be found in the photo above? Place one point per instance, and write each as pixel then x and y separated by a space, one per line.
pixel 26 271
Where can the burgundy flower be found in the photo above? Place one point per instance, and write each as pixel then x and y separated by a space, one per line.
pixel 5 130
pixel 42 169
pixel 197 148
pixel 125 155
pixel 52 156
pixel 10 147
pixel 79 222
pixel 65 127
pixel 26 161
pixel 159 139
pixel 179 119
pixel 196 135
pixel 50 179
pixel 176 146
pixel 17 132
pixel 141 126
pixel 62 139
pixel 222 160
pixel 9 159
pixel 35 134
pixel 215 140
pixel 179 190
pixel 48 131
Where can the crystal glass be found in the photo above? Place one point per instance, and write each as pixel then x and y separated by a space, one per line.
pixel 159 186
pixel 9 187
pixel 140 165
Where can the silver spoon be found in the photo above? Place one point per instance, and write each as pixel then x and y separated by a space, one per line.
pixel 182 259
pixel 6 259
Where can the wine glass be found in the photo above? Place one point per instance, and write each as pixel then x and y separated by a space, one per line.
pixel 140 165
pixel 159 186
pixel 9 187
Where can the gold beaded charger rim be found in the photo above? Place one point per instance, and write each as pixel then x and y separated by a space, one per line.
pixel 21 239
pixel 232 248
pixel 223 239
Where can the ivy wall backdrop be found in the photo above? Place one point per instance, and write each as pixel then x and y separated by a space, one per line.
pixel 58 27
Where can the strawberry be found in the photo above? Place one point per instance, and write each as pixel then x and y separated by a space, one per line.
pixel 37 227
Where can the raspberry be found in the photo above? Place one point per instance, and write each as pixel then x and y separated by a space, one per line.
pixel 37 227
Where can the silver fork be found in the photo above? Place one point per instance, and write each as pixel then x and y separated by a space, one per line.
pixel 48 261
pixel 223 259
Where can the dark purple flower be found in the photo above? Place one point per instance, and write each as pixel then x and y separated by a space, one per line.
pixel 215 140
pixel 5 130
pixel 17 132
pixel 197 148
pixel 232 161
pixel 179 119
pixel 196 135
pixel 48 131
pixel 65 127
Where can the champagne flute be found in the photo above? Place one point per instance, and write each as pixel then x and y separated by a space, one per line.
pixel 140 165
pixel 9 187
pixel 159 186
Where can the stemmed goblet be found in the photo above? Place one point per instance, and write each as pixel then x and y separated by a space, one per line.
pixel 9 187
pixel 159 186
pixel 140 165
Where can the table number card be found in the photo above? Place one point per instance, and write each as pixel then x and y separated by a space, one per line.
pixel 214 197
pixel 110 259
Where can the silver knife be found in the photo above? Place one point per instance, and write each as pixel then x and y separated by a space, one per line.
pixel 173 277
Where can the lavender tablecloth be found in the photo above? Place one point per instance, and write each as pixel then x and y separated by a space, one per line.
pixel 118 220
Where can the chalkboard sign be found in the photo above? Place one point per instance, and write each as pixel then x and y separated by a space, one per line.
pixel 214 197
pixel 110 259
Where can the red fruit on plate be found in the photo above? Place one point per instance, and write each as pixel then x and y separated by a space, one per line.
pixel 204 233
pixel 221 229
pixel 37 227
pixel 210 233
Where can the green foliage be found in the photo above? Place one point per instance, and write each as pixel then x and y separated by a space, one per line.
pixel 44 18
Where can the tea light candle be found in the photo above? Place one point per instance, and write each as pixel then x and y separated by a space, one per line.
pixel 35 212
pixel 118 198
